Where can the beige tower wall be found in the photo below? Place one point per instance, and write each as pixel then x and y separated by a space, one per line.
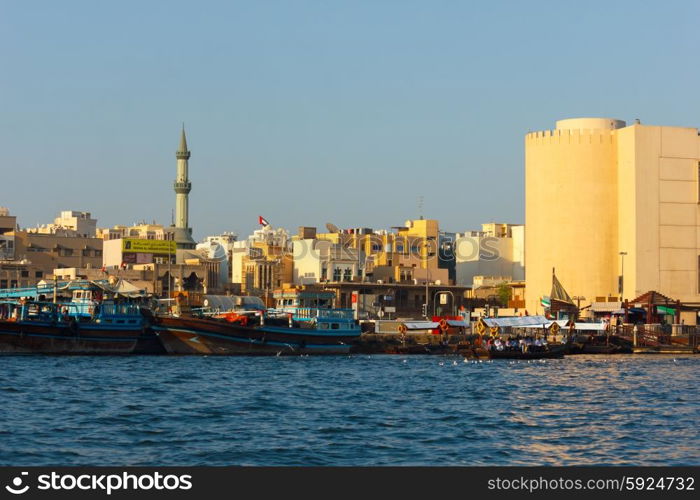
pixel 571 195
pixel 659 219
pixel 593 193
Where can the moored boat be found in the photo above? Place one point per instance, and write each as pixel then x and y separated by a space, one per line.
pixel 314 331
pixel 36 327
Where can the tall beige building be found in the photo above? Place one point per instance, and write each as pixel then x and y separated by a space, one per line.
pixel 601 195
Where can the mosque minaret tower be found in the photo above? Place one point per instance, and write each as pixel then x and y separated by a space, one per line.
pixel 182 231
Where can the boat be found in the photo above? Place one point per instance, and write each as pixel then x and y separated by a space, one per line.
pixel 542 353
pixel 39 327
pixel 306 331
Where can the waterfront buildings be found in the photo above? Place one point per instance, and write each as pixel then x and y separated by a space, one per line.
pixel 29 256
pixel 408 254
pixel 614 209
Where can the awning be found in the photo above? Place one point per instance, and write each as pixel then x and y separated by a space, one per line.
pixel 457 323
pixel 599 327
pixel 517 321
pixel 422 325
pixel 605 306
pixel 666 310
pixel 561 322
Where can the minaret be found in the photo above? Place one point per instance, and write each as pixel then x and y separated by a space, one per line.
pixel 182 186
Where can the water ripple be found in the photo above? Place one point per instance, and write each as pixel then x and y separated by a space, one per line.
pixel 356 410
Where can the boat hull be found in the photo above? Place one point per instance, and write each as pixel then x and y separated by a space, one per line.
pixel 548 354
pixel 210 337
pixel 48 338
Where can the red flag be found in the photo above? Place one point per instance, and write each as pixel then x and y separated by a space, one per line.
pixel 262 221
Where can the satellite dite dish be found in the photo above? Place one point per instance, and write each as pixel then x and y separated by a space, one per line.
pixel 332 228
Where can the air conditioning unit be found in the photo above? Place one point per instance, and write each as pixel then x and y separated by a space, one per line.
pixel 380 282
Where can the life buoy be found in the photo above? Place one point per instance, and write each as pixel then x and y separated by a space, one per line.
pixel 402 329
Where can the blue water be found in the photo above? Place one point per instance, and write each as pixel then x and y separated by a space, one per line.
pixel 349 410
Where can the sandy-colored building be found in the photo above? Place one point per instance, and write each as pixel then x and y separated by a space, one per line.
pixel 70 223
pixel 602 196
pixel 8 226
pixel 142 230
pixel 263 262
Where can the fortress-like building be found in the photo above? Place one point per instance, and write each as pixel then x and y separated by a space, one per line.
pixel 601 195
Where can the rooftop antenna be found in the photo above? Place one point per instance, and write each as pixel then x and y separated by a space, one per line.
pixel 420 207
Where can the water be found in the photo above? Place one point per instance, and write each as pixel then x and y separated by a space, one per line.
pixel 348 410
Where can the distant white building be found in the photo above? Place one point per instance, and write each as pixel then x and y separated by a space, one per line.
pixel 214 251
pixel 498 250
pixel 318 261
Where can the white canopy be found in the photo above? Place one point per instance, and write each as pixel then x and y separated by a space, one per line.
pixel 518 321
pixel 421 325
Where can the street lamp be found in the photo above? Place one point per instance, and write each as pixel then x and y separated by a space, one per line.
pixel 621 284
pixel 578 300
pixel 427 269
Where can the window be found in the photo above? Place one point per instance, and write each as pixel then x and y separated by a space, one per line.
pixel 336 274
pixel 335 326
pixel 86 252
pixel 3 283
pixel 38 274
pixel 25 274
pixel 347 275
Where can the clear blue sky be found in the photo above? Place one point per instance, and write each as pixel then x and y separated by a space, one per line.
pixel 314 111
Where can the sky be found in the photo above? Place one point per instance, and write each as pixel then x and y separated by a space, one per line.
pixel 307 112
